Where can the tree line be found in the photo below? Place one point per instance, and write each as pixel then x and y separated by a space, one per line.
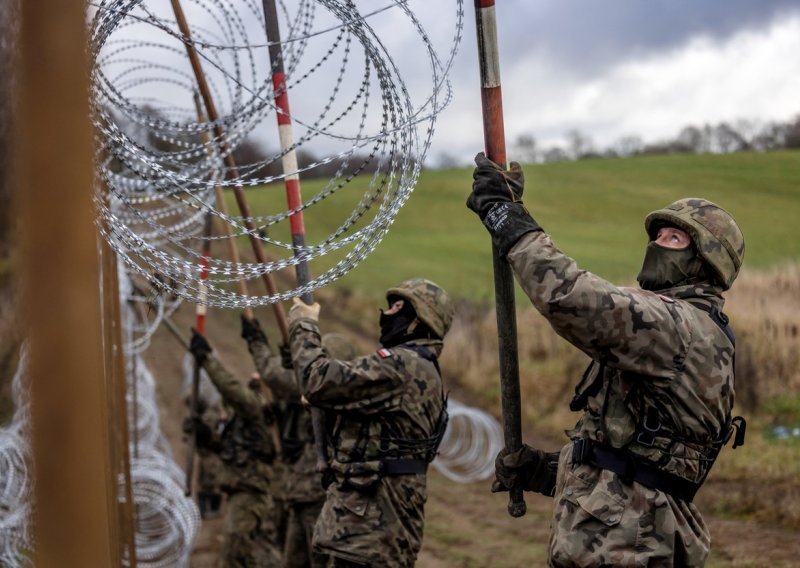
pixel 723 138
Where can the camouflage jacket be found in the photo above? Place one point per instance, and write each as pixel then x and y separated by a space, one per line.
pixel 245 445
pixel 302 483
pixel 659 356
pixel 368 517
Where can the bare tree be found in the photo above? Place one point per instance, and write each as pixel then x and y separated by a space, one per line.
pixel 770 137
pixel 555 154
pixel 525 146
pixel 727 138
pixel 748 130
pixel 707 140
pixel 692 138
pixel 446 161
pixel 578 143
pixel 792 138
pixel 629 145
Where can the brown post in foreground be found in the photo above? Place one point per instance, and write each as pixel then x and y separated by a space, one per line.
pixel 75 489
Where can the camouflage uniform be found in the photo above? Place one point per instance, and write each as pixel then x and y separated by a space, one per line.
pixel 210 467
pixel 245 447
pixel 302 484
pixel 661 361
pixel 382 409
pixel 658 395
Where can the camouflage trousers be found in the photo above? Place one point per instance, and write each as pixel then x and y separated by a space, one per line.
pixel 297 552
pixel 378 527
pixel 599 520
pixel 249 532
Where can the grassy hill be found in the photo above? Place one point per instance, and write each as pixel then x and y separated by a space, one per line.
pixel 594 209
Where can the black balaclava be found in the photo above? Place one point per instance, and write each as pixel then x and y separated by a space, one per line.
pixel 666 268
pixel 398 328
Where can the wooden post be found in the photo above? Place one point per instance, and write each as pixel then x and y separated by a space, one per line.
pixel 116 402
pixel 75 482
pixel 233 172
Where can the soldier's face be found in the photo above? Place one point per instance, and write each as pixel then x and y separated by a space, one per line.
pixel 396 306
pixel 673 238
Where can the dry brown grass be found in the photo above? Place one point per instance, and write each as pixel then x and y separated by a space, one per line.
pixel 764 308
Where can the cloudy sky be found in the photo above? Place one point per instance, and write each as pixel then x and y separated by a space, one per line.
pixel 642 68
pixel 629 67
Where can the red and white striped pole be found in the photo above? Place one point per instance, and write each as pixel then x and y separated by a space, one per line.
pixel 201 308
pixel 494 140
pixel 286 134
pixel 293 197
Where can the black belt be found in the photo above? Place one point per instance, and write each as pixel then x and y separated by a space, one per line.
pixel 632 468
pixel 403 467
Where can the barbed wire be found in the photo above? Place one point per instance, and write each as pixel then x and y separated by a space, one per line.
pixel 472 440
pixel 361 132
pixel 16 480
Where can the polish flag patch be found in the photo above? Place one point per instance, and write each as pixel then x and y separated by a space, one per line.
pixel 384 353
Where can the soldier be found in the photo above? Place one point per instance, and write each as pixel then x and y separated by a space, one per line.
pixel 209 497
pixel 385 416
pixel 276 373
pixel 302 488
pixel 658 395
pixel 246 449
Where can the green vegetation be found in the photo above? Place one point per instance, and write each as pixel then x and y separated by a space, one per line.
pixel 593 208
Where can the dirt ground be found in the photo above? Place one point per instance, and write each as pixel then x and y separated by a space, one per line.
pixel 466 525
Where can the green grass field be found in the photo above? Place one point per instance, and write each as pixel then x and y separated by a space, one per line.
pixel 594 210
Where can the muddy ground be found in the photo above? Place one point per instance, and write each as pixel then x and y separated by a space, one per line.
pixel 467 526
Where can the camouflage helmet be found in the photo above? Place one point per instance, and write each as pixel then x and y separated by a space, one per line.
pixel 338 346
pixel 432 304
pixel 715 234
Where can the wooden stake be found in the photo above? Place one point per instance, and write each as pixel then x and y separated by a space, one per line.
pixel 75 482
pixel 233 172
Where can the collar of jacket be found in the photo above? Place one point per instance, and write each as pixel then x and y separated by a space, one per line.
pixel 711 295
pixel 434 345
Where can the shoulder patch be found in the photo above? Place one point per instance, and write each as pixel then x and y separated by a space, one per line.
pixel 384 353
pixel 667 299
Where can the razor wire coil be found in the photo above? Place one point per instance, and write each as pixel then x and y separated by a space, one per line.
pixel 161 163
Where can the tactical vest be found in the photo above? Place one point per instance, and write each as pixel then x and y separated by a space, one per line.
pixel 242 441
pixel 379 448
pixel 651 445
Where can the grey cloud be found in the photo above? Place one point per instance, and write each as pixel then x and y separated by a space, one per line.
pixel 587 36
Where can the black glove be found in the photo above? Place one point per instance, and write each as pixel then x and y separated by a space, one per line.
pixel 286 357
pixel 528 468
pixel 199 347
pixel 491 184
pixel 194 426
pixel 251 330
pixel 496 198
